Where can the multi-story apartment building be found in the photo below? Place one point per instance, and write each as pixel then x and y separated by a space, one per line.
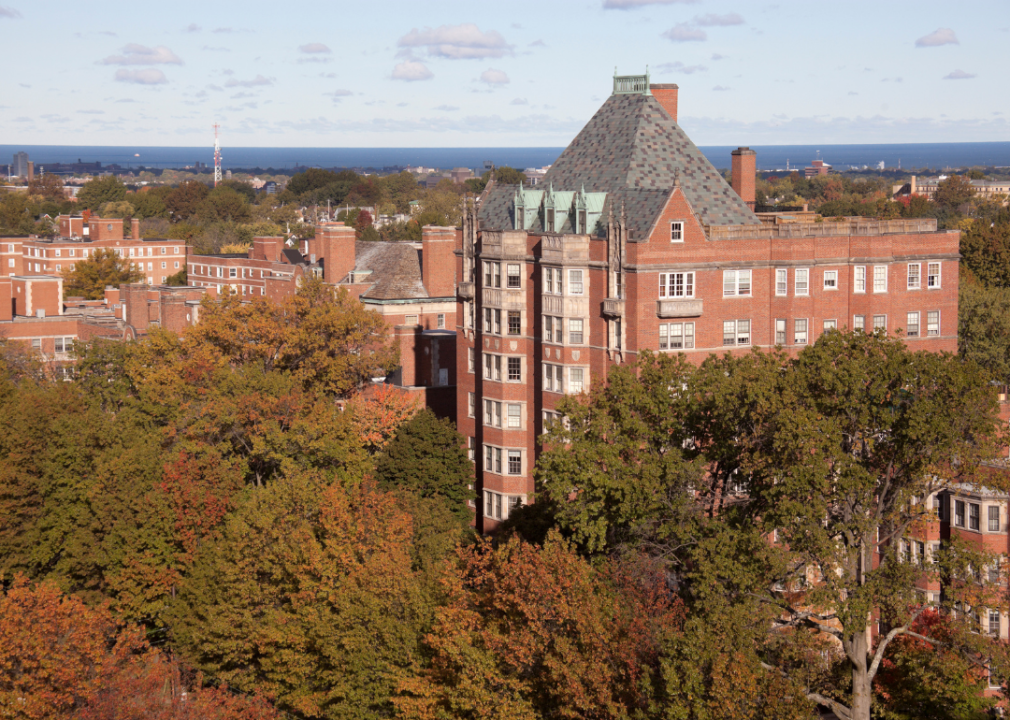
pixel 634 241
pixel 157 258
pixel 926 187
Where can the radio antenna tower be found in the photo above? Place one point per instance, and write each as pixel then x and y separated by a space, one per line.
pixel 217 157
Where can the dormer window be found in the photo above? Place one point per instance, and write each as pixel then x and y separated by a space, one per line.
pixel 582 222
pixel 677 231
pixel 550 220
pixel 520 219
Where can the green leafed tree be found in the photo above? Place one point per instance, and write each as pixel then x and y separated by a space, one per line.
pixel 428 457
pixel 92 275
pixel 954 191
pixel 101 190
pixel 983 333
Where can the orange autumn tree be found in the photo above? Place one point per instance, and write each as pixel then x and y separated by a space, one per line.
pixel 379 411
pixel 531 632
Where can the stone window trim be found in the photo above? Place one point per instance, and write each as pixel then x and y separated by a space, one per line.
pixel 830 279
pixel 677 231
pixel 736 283
pixel 781 282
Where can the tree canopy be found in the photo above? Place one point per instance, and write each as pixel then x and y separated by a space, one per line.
pixel 90 276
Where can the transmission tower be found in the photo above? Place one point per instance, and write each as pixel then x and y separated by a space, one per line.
pixel 217 157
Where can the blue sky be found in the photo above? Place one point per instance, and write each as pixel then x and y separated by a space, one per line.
pixel 384 73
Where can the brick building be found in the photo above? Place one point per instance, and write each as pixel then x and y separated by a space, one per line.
pixel 412 285
pixel 633 240
pixel 157 258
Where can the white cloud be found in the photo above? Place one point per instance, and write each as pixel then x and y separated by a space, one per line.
pixel 257 81
pixel 494 77
pixel 682 68
pixel 682 32
pixel 7 12
pixel 336 95
pixel 192 28
pixel 720 88
pixel 211 48
pixel 447 108
pixel 942 36
pixel 148 76
pixel 520 101
pixel 537 43
pixel 314 48
pixel 91 112
pixel 134 54
pixel 959 75
pixel 412 70
pixel 713 20
pixel 457 42
pixel 717 56
pixel 632 4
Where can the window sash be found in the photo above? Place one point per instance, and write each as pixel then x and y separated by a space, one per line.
pixel 933 322
pixel 912 325
pixel 677 231
pixel 880 322
pixel 830 279
pixel 575 380
pixel 780 332
pixel 676 336
pixel 548 328
pixel 515 462
pixel 933 275
pixel 800 331
pixel 914 276
pixel 514 279
pixel 515 322
pixel 678 284
pixel 994 520
pixel 575 286
pixel 736 283
pixel 514 416
pixel 879 278
pixel 802 281
pixel 973 516
pixel 575 331
pixel 515 372
pixel 859 322
pixel 736 332
pixel 781 282
pixel 959 513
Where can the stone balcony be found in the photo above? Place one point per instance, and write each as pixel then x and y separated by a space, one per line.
pixel 678 308
pixel 613 307
pixel 505 299
pixel 465 290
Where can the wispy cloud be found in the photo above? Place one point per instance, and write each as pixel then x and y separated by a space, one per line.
pixel 494 77
pixel 681 68
pixel 212 48
pixel 411 71
pixel 314 49
pixel 91 112
pixel 134 54
pixel 683 32
pixel 258 81
pixel 336 95
pixel 633 4
pixel 457 42
pixel 9 12
pixel 447 108
pixel 717 56
pixel 520 101
pixel 720 88
pixel 713 20
pixel 192 28
pixel 537 43
pixel 959 75
pixel 147 76
pixel 942 36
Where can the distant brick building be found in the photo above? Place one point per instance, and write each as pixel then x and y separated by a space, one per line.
pixel 634 241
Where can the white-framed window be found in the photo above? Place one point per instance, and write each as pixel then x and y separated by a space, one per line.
pixel 36 343
pixel 10 262
pixel 150 266
pixel 830 279
pixel 492 367
pixel 575 335
pixel 232 272
pixel 549 323
pixel 880 322
pixel 912 325
pixel 515 462
pixel 492 274
pixel 880 278
pixel 492 413
pixel 994 632
pixel 576 380
pixel 780 331
pixel 471 401
pixel 61 345
pixel 515 415
pixel 470 359
pixel 575 286
pixel 933 322
pixel 553 378
pixel 830 325
pixel 994 523
pixel 973 516
pixel 515 369
pixel 676 284
pixel 57 252
pixel 859 279
pixel 676 336
pixel 933 276
pixel 736 332
pixel 553 284
pixel 802 282
pixel 677 231
pixel 470 444
pixel 800 331
pixel 513 272
pixel 959 513
pixel 498 506
pixel 781 282
pixel 736 283
pixel 71 251
pixel 176 264
pixel 440 320
pixel 492 459
pixel 914 276
pixel 515 322
pixel 164 265
pixel 548 418
pixel 859 322
pixel 410 319
pixel 164 251
pixel 176 249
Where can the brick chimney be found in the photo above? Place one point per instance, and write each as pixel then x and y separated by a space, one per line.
pixel 667 97
pixel 135 229
pixel 438 264
pixel 334 242
pixel 743 174
pixel 31 170
pixel 266 248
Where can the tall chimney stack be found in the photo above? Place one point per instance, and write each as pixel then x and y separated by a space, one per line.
pixel 743 174
pixel 667 96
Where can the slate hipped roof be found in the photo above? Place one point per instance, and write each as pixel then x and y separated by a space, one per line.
pixel 634 151
pixel 395 270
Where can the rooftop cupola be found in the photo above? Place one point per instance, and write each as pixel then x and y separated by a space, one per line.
pixel 631 84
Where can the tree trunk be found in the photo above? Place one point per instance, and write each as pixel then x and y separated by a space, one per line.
pixel 862 689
